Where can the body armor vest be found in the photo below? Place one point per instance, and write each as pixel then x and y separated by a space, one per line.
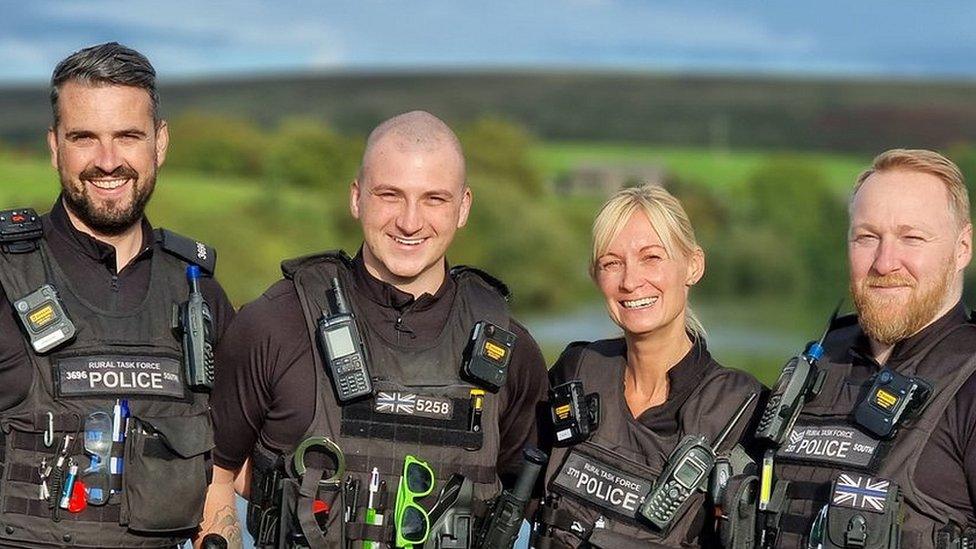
pixel 420 406
pixel 157 498
pixel 600 483
pixel 826 442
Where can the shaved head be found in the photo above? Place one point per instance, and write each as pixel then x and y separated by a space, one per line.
pixel 412 132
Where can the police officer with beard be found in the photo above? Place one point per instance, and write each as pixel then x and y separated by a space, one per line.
pixel 415 316
pixel 87 336
pixel 884 450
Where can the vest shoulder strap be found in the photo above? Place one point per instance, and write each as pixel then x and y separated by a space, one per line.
pixel 291 266
pixel 461 271
pixel 187 249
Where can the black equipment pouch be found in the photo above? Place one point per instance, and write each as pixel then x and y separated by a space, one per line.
pixel 264 503
pixel 575 415
pixel 737 524
pixel 19 230
pixel 862 512
pixel 892 398
pixel 953 537
pixel 167 471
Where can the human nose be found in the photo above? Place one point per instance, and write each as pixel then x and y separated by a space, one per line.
pixel 410 219
pixel 108 158
pixel 886 257
pixel 631 279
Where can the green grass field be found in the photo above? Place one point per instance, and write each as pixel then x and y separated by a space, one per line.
pixel 716 168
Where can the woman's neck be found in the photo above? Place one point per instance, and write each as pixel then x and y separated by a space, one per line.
pixel 649 358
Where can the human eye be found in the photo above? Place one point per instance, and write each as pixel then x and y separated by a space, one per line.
pixel 610 265
pixel 864 238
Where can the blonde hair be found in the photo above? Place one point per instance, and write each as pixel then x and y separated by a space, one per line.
pixel 924 161
pixel 668 219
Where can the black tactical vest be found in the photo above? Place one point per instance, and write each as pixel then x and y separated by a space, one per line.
pixel 420 406
pixel 825 442
pixel 601 482
pixel 159 495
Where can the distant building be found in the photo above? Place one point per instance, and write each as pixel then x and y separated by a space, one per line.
pixel 600 179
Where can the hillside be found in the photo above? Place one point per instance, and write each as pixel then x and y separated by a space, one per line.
pixel 718 111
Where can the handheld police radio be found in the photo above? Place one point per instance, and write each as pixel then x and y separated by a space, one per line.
pixel 508 509
pixel 575 414
pixel 799 381
pixel 343 348
pixel 194 322
pixel 685 472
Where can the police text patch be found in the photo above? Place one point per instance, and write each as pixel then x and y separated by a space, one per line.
pixel 412 404
pixel 834 443
pixel 119 375
pixel 602 484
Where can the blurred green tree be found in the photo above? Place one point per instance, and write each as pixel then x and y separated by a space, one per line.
pixel 215 144
pixel 497 148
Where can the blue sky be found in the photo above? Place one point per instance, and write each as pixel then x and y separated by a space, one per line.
pixel 187 38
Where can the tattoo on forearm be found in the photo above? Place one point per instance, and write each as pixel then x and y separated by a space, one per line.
pixel 226 524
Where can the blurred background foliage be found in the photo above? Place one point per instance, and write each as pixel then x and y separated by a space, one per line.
pixel 773 223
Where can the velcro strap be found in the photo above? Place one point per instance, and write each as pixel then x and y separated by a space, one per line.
pixel 372 532
pixel 808 491
pixel 20 472
pixel 561 519
pixel 795 524
pixel 39 508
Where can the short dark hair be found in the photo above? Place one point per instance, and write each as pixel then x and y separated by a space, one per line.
pixel 106 64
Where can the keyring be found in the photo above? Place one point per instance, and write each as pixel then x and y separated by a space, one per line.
pixel 298 462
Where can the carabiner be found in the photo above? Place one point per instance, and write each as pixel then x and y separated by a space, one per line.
pixel 49 433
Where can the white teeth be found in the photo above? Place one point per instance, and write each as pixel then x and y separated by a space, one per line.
pixel 638 303
pixel 108 184
pixel 408 241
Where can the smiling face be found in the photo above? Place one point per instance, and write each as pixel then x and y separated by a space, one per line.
pixel 107 149
pixel 410 201
pixel 906 252
pixel 646 289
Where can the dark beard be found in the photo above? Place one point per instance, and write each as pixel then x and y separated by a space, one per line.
pixel 109 221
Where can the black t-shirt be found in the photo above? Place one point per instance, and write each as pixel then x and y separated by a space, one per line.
pixel 946 469
pixel 91 265
pixel 265 388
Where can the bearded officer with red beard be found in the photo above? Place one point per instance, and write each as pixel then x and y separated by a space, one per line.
pixel 884 455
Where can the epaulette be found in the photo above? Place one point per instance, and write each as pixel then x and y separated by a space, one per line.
pixel 187 249
pixel 492 281
pixel 20 230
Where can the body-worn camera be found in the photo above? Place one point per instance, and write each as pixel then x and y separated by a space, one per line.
pixel 575 415
pixel 44 319
pixel 488 354
pixel 892 397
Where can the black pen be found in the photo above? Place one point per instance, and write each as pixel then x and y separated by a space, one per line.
pixel 381 505
pixel 353 505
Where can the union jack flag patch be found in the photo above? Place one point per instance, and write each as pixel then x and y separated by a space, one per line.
pixel 861 492
pixel 411 404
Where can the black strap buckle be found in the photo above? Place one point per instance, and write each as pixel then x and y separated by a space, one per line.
pixel 857 532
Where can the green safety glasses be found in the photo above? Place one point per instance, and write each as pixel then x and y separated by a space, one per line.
pixel 411 520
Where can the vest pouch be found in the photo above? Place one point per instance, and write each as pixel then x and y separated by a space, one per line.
pixel 289 529
pixel 167 469
pixel 863 512
pixel 737 526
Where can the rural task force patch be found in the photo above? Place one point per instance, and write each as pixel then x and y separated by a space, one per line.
pixel 593 480
pixel 860 492
pixel 834 444
pixel 412 404
pixel 119 375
